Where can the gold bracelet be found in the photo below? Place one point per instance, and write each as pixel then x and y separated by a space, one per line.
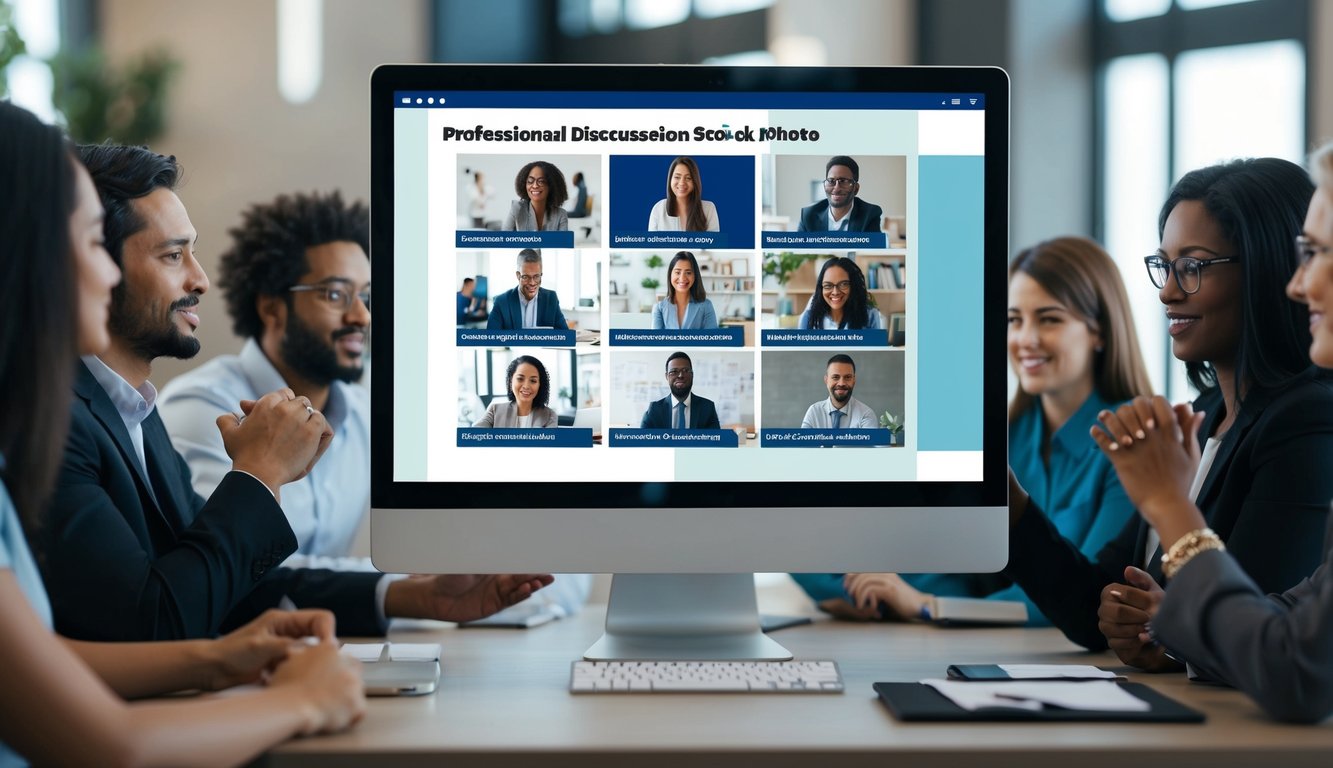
pixel 1186 547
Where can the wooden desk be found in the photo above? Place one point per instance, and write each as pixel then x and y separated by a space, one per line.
pixel 503 702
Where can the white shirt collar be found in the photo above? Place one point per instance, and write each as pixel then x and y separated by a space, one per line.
pixel 133 405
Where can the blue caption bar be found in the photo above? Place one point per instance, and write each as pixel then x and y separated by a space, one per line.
pixel 621 437
pixel 684 100
pixel 485 437
pixel 853 241
pixel 712 337
pixel 816 438
pixel 805 337
pixel 526 337
pixel 489 239
pixel 672 240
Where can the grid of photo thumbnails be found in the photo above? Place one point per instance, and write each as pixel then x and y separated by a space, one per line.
pixel 778 333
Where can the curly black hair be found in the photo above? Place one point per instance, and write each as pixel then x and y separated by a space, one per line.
pixel 268 250
pixel 555 181
pixel 543 390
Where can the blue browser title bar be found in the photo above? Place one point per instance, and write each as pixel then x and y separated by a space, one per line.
pixel 682 100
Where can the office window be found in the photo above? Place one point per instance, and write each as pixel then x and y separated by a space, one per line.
pixel 661 31
pixel 646 14
pixel 28 78
pixel 1183 85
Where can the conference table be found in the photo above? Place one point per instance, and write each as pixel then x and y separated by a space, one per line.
pixel 504 701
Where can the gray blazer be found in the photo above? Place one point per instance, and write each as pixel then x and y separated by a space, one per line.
pixel 1277 649
pixel 503 413
pixel 522 219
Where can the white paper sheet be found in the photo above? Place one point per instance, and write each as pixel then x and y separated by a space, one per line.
pixel 1093 695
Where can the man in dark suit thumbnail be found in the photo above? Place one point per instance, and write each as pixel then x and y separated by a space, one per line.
pixel 681 409
pixel 841 210
pixel 527 305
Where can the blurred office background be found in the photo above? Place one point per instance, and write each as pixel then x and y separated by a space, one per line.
pixel 1112 99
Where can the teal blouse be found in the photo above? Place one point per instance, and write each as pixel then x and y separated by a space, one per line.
pixel 1078 490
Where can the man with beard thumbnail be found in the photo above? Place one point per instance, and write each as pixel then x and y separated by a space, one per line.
pixel 296 280
pixel 129 550
pixel 680 409
pixel 840 410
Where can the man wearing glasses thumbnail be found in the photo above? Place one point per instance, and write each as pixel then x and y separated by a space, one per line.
pixel 841 210
pixel 528 305
pixel 297 285
pixel 681 409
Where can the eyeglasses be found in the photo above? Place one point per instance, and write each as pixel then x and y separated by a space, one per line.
pixel 839 182
pixel 530 279
pixel 842 287
pixel 1307 249
pixel 339 293
pixel 1187 269
pixel 535 181
pixel 678 373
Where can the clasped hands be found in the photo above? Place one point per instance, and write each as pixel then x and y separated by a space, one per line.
pixel 279 438
pixel 1154 448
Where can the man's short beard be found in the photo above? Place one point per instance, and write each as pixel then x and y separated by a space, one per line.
pixel 844 401
pixel 149 336
pixel 313 357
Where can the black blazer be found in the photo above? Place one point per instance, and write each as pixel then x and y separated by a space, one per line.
pixel 1266 494
pixel 121 563
pixel 703 414
pixel 865 217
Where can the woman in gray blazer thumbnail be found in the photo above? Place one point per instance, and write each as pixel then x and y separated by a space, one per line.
pixel 529 389
pixel 541 191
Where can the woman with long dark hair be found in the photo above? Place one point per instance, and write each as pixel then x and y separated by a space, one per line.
pixel 841 300
pixel 686 304
pixel 684 209
pixel 1262 481
pixel 1278 649
pixel 62 699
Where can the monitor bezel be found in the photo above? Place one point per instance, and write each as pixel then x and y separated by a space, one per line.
pixel 992 82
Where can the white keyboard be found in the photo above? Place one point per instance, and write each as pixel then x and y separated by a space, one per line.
pixel 705 677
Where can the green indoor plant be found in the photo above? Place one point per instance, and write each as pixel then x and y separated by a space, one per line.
pixel 126 105
pixel 782 266
pixel 895 426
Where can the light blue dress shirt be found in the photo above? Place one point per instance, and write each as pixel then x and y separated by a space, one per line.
pixel 698 315
pixel 1078 490
pixel 15 556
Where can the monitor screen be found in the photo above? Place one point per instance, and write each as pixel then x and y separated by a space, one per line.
pixel 723 300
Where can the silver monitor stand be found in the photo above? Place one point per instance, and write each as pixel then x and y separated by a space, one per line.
pixel 684 617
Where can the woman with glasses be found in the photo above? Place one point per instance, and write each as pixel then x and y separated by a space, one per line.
pixel 1262 481
pixel 841 300
pixel 686 305
pixel 63 702
pixel 1277 649
pixel 541 191
pixel 1074 351
pixel 683 209
pixel 528 388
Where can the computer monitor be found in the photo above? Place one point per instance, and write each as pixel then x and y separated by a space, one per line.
pixel 856 216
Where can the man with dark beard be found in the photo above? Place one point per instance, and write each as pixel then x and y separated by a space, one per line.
pixel 128 549
pixel 296 280
pixel 840 410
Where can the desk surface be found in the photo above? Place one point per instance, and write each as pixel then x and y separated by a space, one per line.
pixel 503 700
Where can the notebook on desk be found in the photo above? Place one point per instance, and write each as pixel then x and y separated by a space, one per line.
pixel 919 702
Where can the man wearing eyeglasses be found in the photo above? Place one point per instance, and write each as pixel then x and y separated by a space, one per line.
pixel 130 551
pixel 296 281
pixel 841 210
pixel 527 305
pixel 682 409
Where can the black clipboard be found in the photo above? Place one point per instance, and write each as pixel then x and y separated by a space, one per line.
pixel 917 702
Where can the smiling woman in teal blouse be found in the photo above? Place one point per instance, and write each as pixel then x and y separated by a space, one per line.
pixel 1074 351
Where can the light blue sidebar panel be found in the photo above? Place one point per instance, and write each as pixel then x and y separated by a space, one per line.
pixel 950 252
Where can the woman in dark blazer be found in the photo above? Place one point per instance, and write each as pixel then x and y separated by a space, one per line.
pixel 541 191
pixel 529 388
pixel 1277 649
pixel 1225 257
